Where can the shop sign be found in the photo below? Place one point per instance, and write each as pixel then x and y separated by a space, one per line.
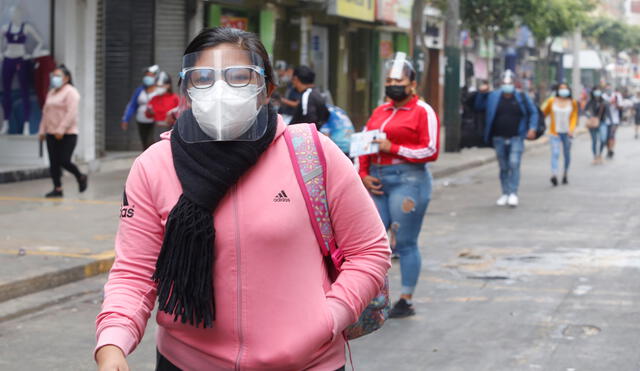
pixel 240 23
pixel 395 12
pixel 386 49
pixel 363 10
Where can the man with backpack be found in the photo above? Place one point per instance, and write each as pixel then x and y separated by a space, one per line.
pixel 511 117
pixel 312 107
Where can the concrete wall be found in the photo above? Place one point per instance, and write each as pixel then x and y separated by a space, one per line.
pixel 75 45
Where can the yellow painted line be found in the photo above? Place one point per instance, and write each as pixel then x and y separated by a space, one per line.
pixel 98 267
pixel 58 200
pixel 103 255
pixel 46 253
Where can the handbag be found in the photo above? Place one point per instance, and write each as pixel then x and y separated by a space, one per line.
pixel 593 122
pixel 309 166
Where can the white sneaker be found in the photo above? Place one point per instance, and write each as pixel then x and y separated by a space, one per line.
pixel 513 200
pixel 502 201
pixel 25 128
pixel 4 127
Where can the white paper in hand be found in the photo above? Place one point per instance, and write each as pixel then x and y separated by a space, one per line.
pixel 362 143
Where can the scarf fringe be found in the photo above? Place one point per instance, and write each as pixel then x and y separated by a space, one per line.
pixel 184 270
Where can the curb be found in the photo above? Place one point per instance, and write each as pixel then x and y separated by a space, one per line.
pixel 12 290
pixel 20 175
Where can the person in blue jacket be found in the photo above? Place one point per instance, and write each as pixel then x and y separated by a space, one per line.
pixel 511 117
pixel 138 106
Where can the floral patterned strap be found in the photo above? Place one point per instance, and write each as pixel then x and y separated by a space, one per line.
pixel 310 168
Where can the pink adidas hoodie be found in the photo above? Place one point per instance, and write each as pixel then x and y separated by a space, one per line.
pixel 275 306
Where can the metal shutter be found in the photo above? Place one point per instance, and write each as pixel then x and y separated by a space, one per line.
pixel 170 35
pixel 99 82
pixel 128 50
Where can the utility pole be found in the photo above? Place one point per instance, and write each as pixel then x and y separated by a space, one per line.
pixel 576 85
pixel 452 78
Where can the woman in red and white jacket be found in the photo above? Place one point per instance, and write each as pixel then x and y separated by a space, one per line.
pixel 397 177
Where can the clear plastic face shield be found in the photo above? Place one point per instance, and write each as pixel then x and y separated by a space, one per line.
pixel 223 96
pixel 398 70
pixel 508 82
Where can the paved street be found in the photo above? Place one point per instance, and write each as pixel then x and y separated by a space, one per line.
pixel 551 285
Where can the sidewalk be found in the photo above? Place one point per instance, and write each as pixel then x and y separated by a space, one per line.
pixel 49 243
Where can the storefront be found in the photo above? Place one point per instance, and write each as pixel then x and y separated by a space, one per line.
pixel 391 37
pixel 43 33
pixel 354 55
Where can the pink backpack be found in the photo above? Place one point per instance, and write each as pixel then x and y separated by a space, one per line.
pixel 310 167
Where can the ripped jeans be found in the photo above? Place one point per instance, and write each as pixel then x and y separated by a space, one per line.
pixel 407 192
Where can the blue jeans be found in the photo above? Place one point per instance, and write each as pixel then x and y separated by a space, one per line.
pixel 509 152
pixel 557 140
pixel 407 192
pixel 598 139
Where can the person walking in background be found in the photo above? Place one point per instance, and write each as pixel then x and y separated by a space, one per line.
pixel 563 110
pixel 397 177
pixel 312 107
pixel 291 97
pixel 59 127
pixel 163 101
pixel 511 117
pixel 597 111
pixel 138 106
pixel 236 289
pixel 614 116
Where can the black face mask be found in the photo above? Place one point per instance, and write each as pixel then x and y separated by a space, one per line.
pixel 397 93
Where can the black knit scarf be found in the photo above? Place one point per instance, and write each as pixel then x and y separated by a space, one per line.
pixel 184 270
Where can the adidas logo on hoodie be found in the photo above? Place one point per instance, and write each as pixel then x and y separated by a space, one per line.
pixel 281 197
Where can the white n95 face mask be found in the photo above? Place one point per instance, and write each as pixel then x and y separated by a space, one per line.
pixel 224 112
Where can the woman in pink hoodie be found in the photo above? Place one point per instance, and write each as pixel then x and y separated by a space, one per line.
pixel 215 227
pixel 59 128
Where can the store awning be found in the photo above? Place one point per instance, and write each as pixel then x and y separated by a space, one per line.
pixel 589 60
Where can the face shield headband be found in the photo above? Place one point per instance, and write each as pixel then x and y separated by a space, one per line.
pixel 398 68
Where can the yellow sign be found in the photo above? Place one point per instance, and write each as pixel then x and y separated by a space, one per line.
pixel 357 9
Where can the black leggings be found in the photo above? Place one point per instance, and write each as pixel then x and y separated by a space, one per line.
pixel 163 364
pixel 146 134
pixel 60 152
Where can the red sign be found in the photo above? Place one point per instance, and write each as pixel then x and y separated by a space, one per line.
pixel 240 23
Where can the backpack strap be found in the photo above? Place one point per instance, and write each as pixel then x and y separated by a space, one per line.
pixel 310 166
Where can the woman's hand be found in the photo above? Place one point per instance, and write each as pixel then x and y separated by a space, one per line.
pixel 41 137
pixel 373 184
pixel 58 136
pixel 111 358
pixel 385 145
pixel 124 125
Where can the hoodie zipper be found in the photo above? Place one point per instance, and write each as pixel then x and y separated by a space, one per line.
pixel 239 279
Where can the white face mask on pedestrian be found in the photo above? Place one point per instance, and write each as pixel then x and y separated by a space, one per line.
pixel 223 111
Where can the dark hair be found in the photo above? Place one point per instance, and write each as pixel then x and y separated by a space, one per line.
pixel 214 36
pixel 412 75
pixel 65 71
pixel 568 87
pixel 304 74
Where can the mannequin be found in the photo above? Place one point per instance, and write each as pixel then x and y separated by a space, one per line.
pixel 15 61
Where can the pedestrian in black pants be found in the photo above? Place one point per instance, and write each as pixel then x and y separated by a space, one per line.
pixel 59 126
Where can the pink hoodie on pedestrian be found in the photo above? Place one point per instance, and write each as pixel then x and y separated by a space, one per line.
pixel 275 306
